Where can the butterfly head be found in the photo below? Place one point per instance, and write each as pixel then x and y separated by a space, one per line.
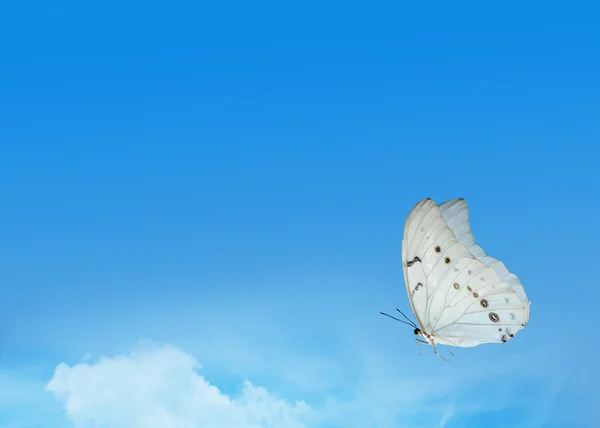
pixel 417 332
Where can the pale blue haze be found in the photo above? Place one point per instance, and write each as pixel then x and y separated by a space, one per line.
pixel 233 179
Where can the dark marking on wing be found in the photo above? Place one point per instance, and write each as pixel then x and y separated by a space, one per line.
pixel 416 259
pixel 416 288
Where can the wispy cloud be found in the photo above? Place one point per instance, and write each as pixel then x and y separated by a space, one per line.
pixel 446 416
pixel 157 386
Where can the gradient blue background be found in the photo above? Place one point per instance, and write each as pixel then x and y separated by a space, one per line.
pixel 233 178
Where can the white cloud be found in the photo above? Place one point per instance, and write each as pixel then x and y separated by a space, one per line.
pixel 160 387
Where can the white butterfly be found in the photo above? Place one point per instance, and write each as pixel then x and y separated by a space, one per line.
pixel 459 295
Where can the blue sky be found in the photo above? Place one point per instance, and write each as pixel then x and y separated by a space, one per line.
pixel 201 195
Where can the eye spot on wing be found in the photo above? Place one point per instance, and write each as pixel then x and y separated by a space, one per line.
pixel 494 317
pixel 456 286
pixel 438 249
pixel 469 288
pixel 447 260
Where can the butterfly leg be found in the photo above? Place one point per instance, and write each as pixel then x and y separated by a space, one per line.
pixel 451 353
pixel 420 350
pixel 435 352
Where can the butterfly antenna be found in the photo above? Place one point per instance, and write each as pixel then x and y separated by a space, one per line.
pixel 394 318
pixel 409 320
